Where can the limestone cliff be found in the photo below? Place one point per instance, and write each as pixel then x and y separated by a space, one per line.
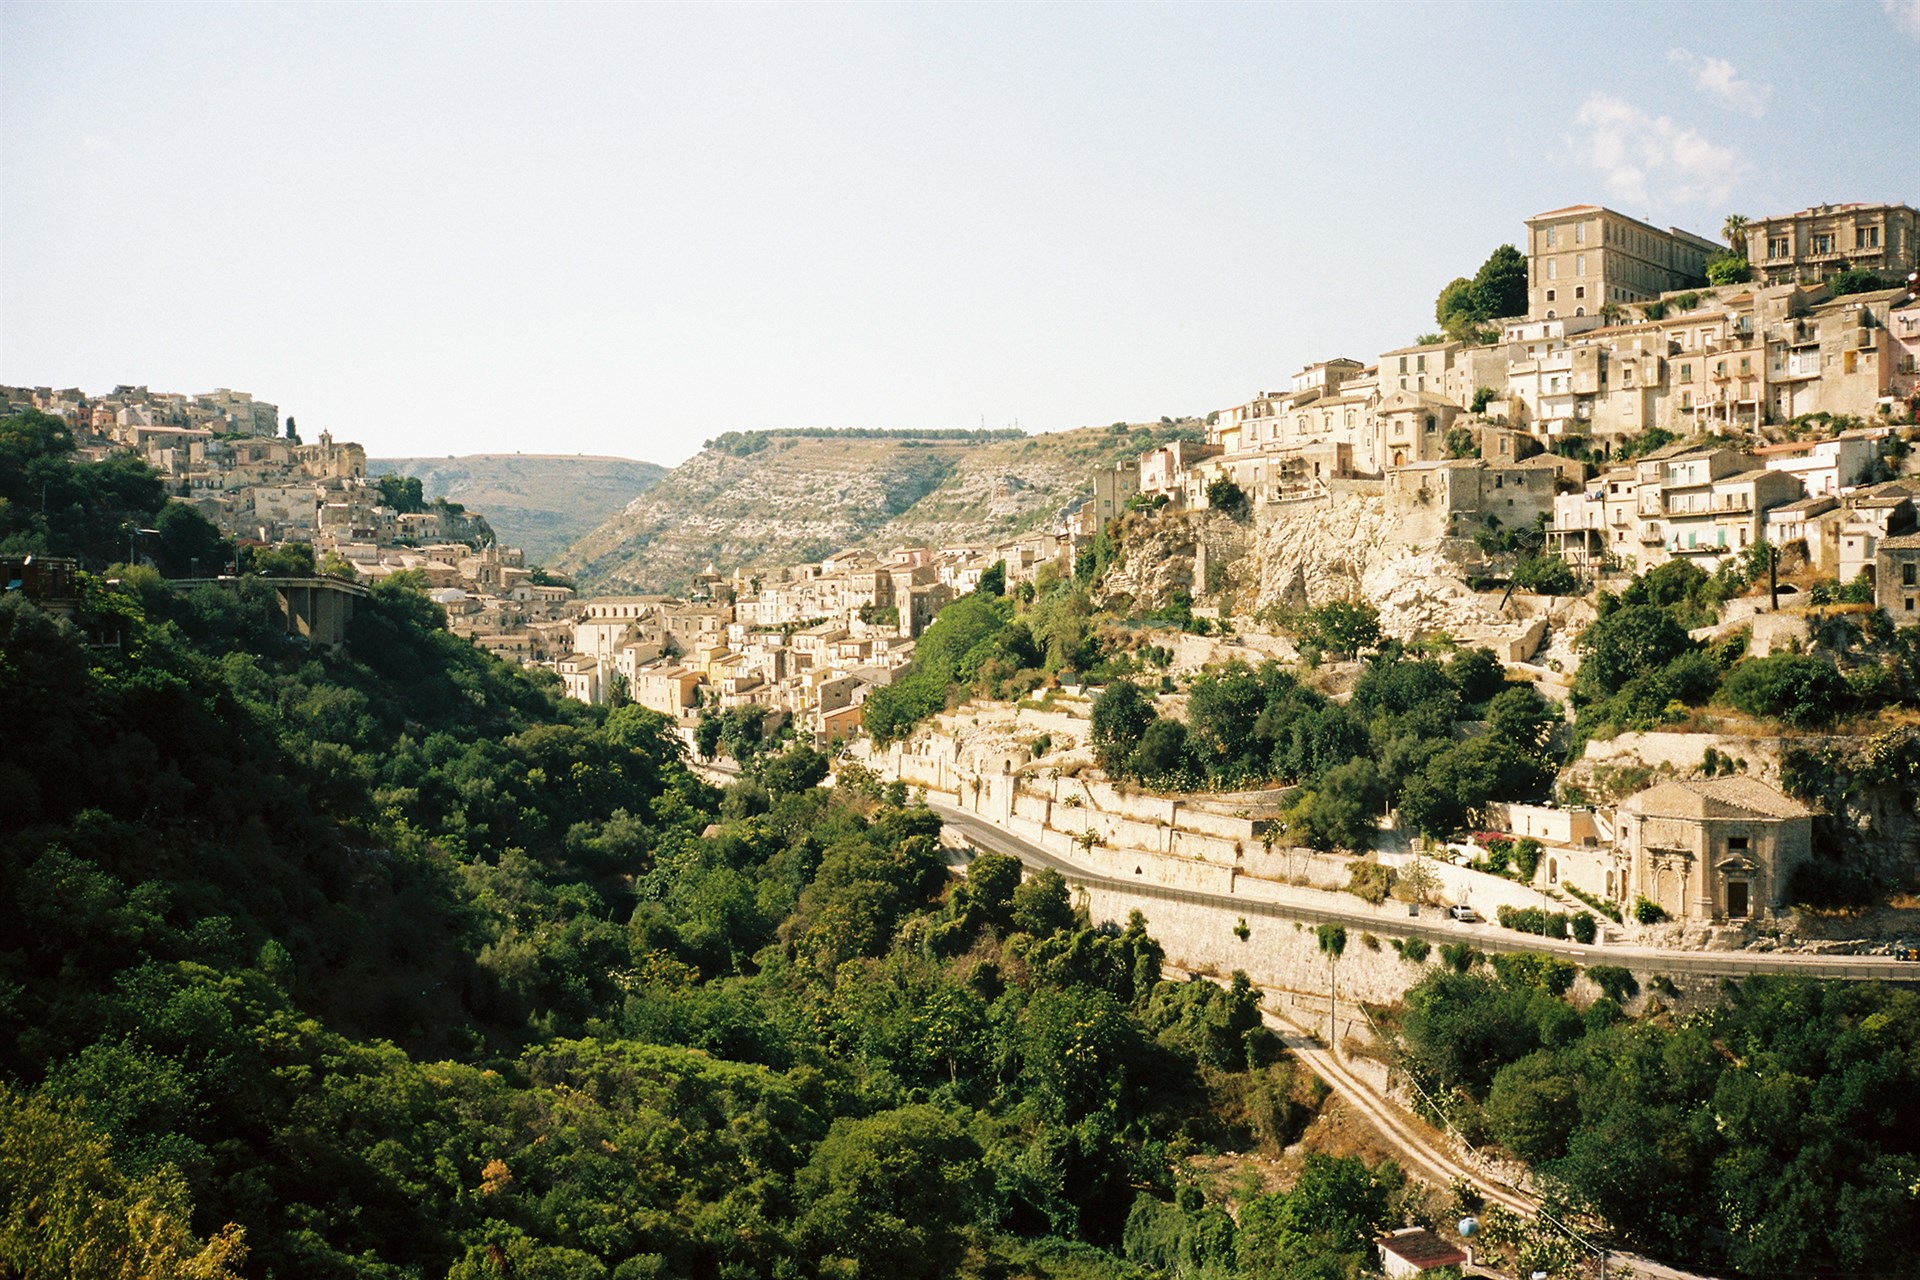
pixel 778 498
pixel 1296 555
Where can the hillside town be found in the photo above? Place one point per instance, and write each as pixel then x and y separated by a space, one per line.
pixel 226 455
pixel 1620 341
pixel 1772 407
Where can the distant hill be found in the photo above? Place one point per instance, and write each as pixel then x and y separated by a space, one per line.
pixel 538 502
pixel 768 498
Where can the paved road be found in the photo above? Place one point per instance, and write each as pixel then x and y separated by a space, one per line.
pixel 1487 937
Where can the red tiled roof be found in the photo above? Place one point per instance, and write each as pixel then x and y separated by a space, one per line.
pixel 1421 1248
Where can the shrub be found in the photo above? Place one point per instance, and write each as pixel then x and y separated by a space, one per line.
pixel 1585 929
pixel 1545 924
pixel 1225 496
pixel 1369 881
pixel 1526 858
pixel 1647 912
pixel 1799 690
pixel 1414 950
pixel 1529 970
pixel 1459 957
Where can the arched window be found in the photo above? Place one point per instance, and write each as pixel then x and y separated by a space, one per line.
pixel 1553 871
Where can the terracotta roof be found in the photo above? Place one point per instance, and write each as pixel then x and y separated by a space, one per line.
pixel 1734 797
pixel 1421 1248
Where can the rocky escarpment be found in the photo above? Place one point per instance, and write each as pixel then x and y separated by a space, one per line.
pixel 1286 557
pixel 781 499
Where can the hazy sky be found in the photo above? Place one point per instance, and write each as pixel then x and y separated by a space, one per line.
pixel 454 229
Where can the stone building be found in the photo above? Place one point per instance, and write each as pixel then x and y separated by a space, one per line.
pixel 1896 578
pixel 1827 239
pixel 1713 848
pixel 1583 257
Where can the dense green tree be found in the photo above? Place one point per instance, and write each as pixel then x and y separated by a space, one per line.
pixel 54 504
pixel 1121 714
pixel 1628 641
pixel 1342 810
pixel 1457 306
pixel 1800 690
pixel 1343 628
pixel 402 493
pixel 68 1210
pixel 189 542
pixel 1041 905
pixel 1162 755
pixel 1500 286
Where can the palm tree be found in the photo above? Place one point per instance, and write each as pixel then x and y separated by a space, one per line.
pixel 1332 939
pixel 1734 231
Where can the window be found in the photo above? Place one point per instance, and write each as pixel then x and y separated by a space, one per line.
pixel 1736 844
pixel 1866 237
pixel 1907 572
pixel 1403 367
pixel 1579 264
pixel 1550 237
pixel 1746 364
pixel 1778 247
pixel 1579 291
pixel 1823 242
pixel 1686 373
pixel 1553 268
pixel 1420 363
pixel 1550 295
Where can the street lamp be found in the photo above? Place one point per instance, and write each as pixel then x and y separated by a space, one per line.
pixel 133 534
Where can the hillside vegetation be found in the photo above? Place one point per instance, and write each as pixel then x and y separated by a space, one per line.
pixel 540 503
pixel 775 498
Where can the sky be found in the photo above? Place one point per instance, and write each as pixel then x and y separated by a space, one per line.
pixel 449 229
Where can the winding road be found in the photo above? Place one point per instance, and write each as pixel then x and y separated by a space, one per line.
pixel 1488 937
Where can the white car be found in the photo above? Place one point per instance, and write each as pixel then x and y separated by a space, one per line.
pixel 1464 914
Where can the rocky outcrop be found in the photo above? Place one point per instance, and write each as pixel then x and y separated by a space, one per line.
pixel 1289 556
